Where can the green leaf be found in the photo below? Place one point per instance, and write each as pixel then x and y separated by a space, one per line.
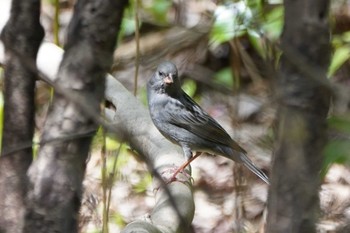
pixel 340 56
pixel 142 95
pixel 341 124
pixel 158 9
pixel 112 144
pixel 143 184
pixel 256 42
pixel 346 37
pixel 337 151
pixel 230 21
pixel 222 32
pixel 128 26
pixel 118 219
pixel 274 23
pixel 255 5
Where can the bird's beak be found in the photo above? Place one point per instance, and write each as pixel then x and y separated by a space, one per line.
pixel 168 79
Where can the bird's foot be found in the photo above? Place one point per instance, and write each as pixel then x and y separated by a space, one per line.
pixel 175 174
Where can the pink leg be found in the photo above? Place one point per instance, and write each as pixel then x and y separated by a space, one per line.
pixel 183 166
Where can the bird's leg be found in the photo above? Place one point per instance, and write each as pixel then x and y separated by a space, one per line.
pixel 184 165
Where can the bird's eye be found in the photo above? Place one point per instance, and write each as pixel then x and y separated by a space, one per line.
pixel 160 73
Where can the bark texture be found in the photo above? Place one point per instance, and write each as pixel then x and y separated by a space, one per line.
pixel 304 96
pixel 55 178
pixel 21 36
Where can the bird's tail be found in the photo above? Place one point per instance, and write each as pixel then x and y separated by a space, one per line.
pixel 253 168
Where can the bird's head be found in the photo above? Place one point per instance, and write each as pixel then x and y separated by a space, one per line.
pixel 166 78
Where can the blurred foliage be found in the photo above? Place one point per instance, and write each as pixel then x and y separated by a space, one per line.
pixel 224 77
pixel 98 139
pixel 94 231
pixel 122 157
pixel 337 149
pixel 112 144
pixel 142 95
pixel 341 52
pixel 261 25
pixel 340 56
pixel 141 186
pixel 231 21
pixel 246 18
pixel 52 2
pixel 118 219
pixel 128 25
pixel 190 87
pixel 157 9
pixel 273 23
pixel 340 123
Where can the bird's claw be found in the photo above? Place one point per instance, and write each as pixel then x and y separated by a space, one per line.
pixel 172 174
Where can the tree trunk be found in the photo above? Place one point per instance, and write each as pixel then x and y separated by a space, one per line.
pixel 55 178
pixel 304 96
pixel 22 36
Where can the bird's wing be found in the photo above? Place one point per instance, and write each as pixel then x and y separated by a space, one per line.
pixel 187 114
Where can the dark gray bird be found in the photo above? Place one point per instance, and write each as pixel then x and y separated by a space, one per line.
pixel 185 123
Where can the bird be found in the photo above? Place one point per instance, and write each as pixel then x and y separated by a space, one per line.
pixel 183 122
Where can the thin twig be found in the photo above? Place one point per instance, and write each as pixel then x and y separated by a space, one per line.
pixel 29 144
pixel 56 23
pixel 111 178
pixel 56 32
pixel 137 40
pixel 104 180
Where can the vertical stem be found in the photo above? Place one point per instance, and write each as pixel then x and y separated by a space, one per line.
pixel 236 64
pixel 137 40
pixel 104 184
pixel 56 32
pixel 56 23
pixel 109 197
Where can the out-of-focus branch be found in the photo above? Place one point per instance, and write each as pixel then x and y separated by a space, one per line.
pixel 137 40
pixel 157 45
